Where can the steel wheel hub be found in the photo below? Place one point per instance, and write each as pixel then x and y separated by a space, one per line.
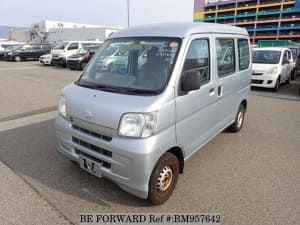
pixel 240 119
pixel 165 179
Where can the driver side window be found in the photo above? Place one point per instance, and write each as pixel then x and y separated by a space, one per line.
pixel 197 60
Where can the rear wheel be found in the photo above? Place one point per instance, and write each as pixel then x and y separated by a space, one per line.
pixel 163 179
pixel 239 120
pixel 17 58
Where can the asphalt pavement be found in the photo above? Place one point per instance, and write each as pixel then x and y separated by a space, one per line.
pixel 250 177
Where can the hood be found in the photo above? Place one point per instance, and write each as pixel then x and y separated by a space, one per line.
pixel 260 67
pixel 101 107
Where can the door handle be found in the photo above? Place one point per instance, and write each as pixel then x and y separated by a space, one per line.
pixel 211 92
pixel 220 91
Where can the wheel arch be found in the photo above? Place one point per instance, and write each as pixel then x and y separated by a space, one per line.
pixel 244 103
pixel 179 155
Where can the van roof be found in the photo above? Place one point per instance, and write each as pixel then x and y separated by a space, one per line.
pixel 180 29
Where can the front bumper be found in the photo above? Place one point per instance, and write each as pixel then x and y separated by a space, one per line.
pixel 73 64
pixel 128 162
pixel 46 61
pixel 59 61
pixel 266 81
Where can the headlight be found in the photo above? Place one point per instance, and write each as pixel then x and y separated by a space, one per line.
pixel 272 70
pixel 140 125
pixel 62 107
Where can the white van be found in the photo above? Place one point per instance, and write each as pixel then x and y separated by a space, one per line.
pixel 272 66
pixel 138 123
pixel 63 50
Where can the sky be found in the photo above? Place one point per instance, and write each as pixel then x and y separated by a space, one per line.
pixel 98 12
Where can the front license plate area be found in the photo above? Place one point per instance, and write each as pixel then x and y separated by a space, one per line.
pixel 90 166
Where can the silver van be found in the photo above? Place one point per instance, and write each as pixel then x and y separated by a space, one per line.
pixel 137 124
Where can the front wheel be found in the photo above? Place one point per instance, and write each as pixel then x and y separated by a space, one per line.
pixel 239 120
pixel 163 179
pixel 17 58
pixel 276 88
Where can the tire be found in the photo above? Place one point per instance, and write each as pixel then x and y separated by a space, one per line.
pixel 293 74
pixel 161 186
pixel 83 65
pixel 289 79
pixel 239 120
pixel 276 88
pixel 17 58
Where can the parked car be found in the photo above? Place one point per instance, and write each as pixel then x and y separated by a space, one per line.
pixel 295 53
pixel 7 49
pixel 81 58
pixel 63 50
pixel 138 125
pixel 25 52
pixel 46 59
pixel 272 66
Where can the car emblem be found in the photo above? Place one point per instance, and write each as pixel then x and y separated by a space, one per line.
pixel 87 115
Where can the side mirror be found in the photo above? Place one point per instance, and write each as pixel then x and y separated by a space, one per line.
pixel 191 81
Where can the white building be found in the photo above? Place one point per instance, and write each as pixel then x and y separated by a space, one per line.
pixel 53 31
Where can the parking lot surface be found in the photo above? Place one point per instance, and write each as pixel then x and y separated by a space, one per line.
pixel 250 177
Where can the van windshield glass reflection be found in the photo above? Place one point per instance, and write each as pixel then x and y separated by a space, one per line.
pixel 136 65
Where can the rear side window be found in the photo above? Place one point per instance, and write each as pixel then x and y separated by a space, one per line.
pixel 46 47
pixel 244 54
pixel 36 47
pixel 225 56
pixel 197 59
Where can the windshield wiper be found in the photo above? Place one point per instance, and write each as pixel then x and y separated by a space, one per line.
pixel 142 91
pixel 118 89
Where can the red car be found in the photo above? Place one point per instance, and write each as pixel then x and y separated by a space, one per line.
pixel 81 58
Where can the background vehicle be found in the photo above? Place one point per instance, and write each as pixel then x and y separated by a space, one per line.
pixel 293 46
pixel 3 53
pixel 81 58
pixel 63 50
pixel 6 45
pixel 272 66
pixel 138 124
pixel 46 59
pixel 25 52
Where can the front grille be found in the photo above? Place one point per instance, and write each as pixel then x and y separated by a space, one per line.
pixel 91 133
pixel 257 81
pixel 103 163
pixel 91 147
pixel 257 74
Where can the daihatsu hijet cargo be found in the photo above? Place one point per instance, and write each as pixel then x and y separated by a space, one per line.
pixel 136 124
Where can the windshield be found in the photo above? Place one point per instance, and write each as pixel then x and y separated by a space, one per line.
pixel 132 66
pixel 266 56
pixel 61 45
pixel 82 51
